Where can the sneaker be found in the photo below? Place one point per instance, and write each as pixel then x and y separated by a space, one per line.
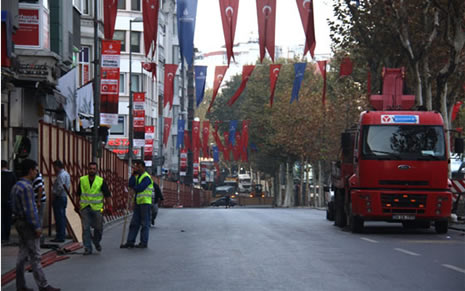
pixel 141 246
pixel 87 252
pixel 57 240
pixel 127 246
pixel 49 288
pixel 98 247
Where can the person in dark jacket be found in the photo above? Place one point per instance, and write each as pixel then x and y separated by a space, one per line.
pixel 157 197
pixel 8 181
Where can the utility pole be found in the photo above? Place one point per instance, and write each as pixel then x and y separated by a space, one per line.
pixel 190 118
pixel 95 137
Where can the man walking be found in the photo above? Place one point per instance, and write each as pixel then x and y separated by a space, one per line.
pixel 8 181
pixel 60 190
pixel 157 197
pixel 41 199
pixel 29 228
pixel 91 190
pixel 142 184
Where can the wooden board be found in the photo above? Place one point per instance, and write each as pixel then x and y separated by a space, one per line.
pixel 74 224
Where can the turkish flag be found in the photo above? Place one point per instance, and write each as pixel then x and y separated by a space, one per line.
pixel 322 66
pixel 346 67
pixel 170 73
pixel 195 135
pixel 245 139
pixel 166 129
pixel 217 139
pixel 110 9
pixel 220 71
pixel 150 17
pixel 226 146
pixel 266 15
pixel 274 73
pixel 237 148
pixel 150 67
pixel 205 137
pixel 455 109
pixel 229 10
pixel 306 15
pixel 246 72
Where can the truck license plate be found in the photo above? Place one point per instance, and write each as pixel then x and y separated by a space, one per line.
pixel 403 217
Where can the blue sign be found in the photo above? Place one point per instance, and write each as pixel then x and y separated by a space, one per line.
pixel 406 118
pixel 186 13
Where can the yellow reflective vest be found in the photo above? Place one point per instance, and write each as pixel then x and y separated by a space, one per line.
pixel 92 196
pixel 144 197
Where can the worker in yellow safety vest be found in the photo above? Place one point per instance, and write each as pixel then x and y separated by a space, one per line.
pixel 142 184
pixel 92 191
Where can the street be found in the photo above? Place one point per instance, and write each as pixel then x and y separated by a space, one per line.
pixel 266 249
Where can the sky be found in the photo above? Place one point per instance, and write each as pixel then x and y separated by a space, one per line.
pixel 289 31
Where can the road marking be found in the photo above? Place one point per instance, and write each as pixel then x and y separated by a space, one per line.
pixel 454 268
pixel 369 240
pixel 406 252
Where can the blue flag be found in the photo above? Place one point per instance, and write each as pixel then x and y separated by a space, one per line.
pixel 253 147
pixel 299 69
pixel 216 154
pixel 232 131
pixel 180 140
pixel 187 10
pixel 200 78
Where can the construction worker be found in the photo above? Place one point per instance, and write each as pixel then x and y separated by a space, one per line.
pixel 92 190
pixel 142 184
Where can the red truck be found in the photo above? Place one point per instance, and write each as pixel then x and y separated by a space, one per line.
pixel 394 164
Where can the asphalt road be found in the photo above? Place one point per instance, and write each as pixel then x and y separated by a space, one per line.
pixel 266 249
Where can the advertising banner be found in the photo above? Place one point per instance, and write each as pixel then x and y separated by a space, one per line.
pixel 28 33
pixel 148 148
pixel 139 118
pixel 109 82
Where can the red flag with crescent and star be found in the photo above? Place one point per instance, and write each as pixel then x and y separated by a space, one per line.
pixel 218 142
pixel 110 10
pixel 274 73
pixel 150 18
pixel 245 139
pixel 229 10
pixel 166 129
pixel 187 140
pixel 322 66
pixel 195 136
pixel 266 15
pixel 246 72
pixel 150 67
pixel 205 137
pixel 306 15
pixel 237 148
pixel 346 67
pixel 170 73
pixel 220 71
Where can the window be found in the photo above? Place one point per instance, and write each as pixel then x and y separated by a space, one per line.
pixel 135 42
pixel 122 4
pixel 84 65
pixel 135 5
pixel 122 84
pixel 118 129
pixel 135 83
pixel 120 35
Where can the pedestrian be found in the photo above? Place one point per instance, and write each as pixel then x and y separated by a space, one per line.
pixel 142 184
pixel 60 191
pixel 41 199
pixel 29 228
pixel 157 197
pixel 92 191
pixel 8 181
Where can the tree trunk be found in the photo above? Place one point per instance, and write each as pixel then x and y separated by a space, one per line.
pixel 289 197
pixel 279 200
pixel 320 184
pixel 307 186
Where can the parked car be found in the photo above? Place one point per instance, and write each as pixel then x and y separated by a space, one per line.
pixel 222 202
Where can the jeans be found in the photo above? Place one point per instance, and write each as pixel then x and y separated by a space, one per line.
pixel 91 218
pixel 29 250
pixel 41 218
pixel 154 211
pixel 6 222
pixel 140 219
pixel 59 210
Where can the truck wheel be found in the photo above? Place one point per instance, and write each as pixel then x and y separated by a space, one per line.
pixel 356 224
pixel 339 213
pixel 441 226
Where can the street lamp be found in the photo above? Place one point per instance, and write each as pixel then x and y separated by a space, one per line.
pixel 131 115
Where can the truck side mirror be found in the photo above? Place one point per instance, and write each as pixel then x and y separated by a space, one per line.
pixel 458 146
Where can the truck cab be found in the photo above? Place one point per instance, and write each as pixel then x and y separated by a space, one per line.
pixel 245 183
